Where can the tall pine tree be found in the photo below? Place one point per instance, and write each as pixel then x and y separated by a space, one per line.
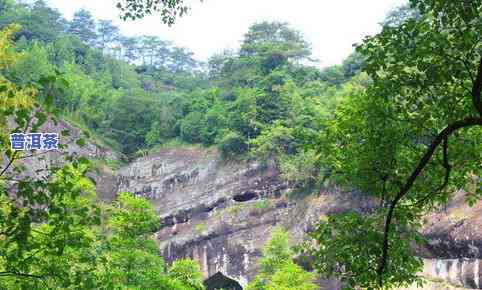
pixel 107 33
pixel 83 26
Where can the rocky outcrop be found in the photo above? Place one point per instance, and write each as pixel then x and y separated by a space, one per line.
pixel 36 163
pixel 182 183
pixel 454 250
pixel 221 214
pixel 201 202
pixel 459 272
pixel 455 231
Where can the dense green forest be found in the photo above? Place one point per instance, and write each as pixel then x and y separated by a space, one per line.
pixel 140 92
pixel 400 120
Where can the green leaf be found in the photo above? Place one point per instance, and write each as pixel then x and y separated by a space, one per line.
pixel 81 142
pixel 65 133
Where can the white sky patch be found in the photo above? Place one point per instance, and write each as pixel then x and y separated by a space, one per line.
pixel 331 26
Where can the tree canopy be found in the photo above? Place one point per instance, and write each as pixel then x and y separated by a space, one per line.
pixel 411 139
pixel 169 10
pixel 277 269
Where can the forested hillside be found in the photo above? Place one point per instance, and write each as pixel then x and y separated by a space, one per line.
pixel 399 121
pixel 141 92
pixel 135 94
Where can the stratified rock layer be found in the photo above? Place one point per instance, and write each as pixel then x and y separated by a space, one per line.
pixel 221 214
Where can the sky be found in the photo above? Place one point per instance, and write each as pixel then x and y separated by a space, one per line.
pixel 331 26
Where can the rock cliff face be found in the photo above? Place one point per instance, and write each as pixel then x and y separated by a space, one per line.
pixel 203 204
pixel 221 214
pixel 36 163
pixel 454 250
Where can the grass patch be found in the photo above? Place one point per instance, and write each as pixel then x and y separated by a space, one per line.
pixel 458 215
pixel 112 164
pixel 260 207
pixel 199 228
pixel 261 204
pixel 235 209
pixel 323 218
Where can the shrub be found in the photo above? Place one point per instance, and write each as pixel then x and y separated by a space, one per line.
pixel 232 144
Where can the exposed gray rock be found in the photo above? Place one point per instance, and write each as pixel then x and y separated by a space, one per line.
pixel 36 163
pixel 221 214
pixel 459 272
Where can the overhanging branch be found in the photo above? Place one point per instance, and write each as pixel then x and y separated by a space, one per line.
pixel 443 135
pixel 448 170
pixel 20 275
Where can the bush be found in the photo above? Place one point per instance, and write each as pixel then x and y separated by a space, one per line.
pixel 300 169
pixel 232 144
pixel 275 140
pixel 192 126
pixel 277 269
pixel 187 272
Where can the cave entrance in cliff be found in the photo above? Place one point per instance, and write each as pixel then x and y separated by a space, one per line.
pixel 246 196
pixel 219 281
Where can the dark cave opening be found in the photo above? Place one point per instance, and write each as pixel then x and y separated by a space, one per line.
pixel 219 281
pixel 245 196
